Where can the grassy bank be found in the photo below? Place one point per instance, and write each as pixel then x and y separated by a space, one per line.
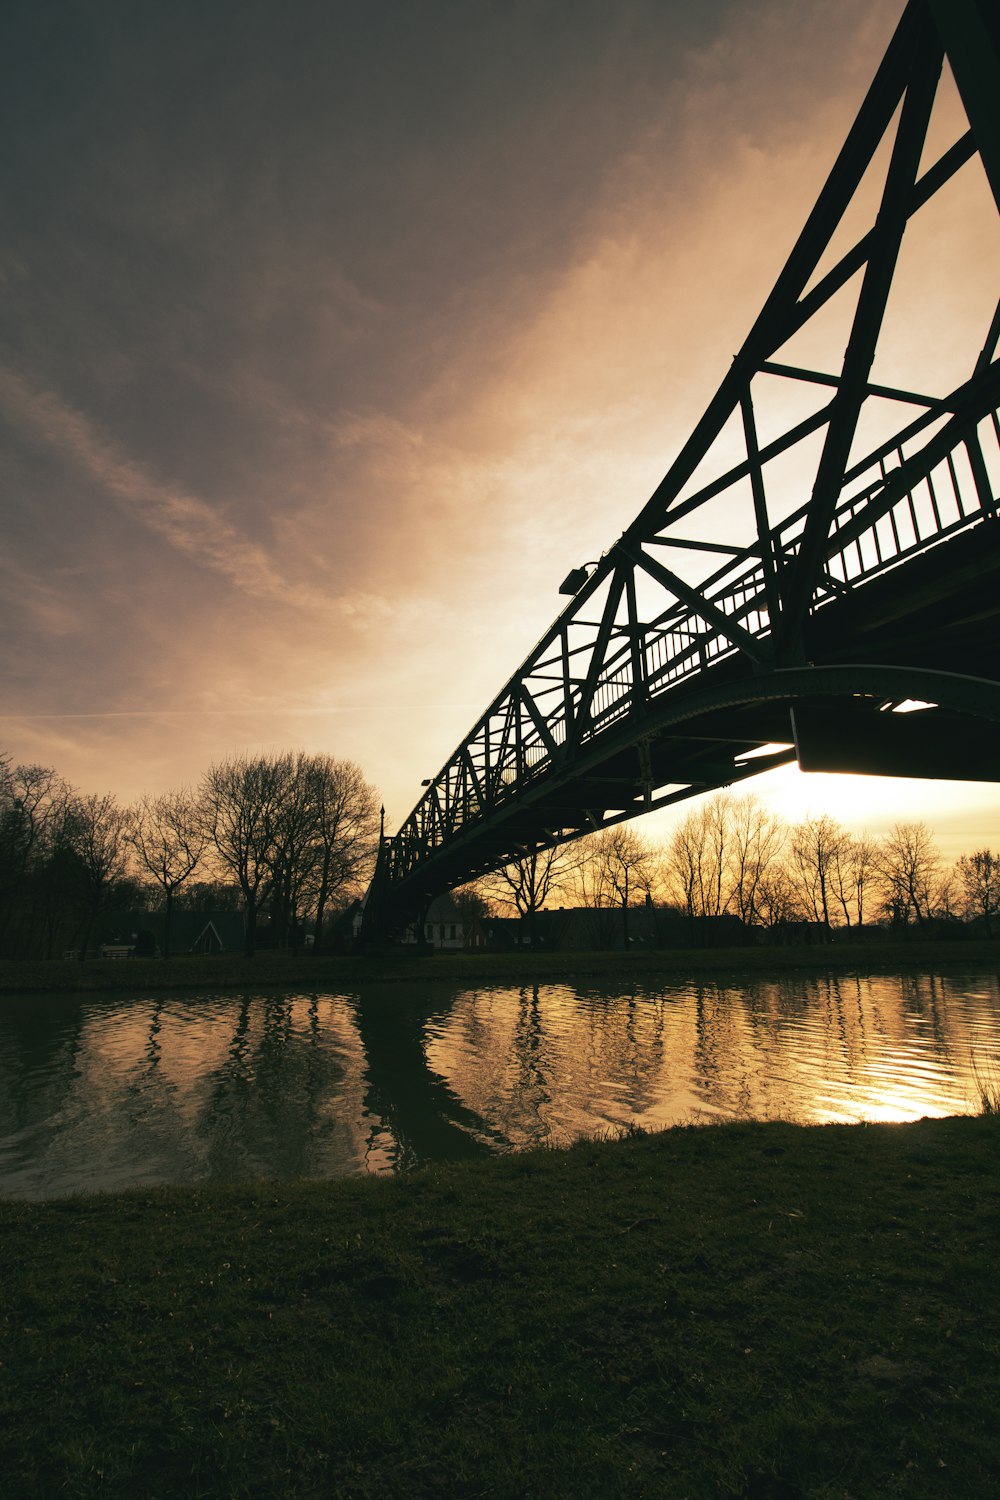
pixel 269 970
pixel 748 1310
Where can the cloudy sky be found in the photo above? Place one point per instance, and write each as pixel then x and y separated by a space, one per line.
pixel 333 334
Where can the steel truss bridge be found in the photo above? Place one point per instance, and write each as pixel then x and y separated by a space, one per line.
pixel 824 548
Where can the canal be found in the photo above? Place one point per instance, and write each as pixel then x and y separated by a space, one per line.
pixel 105 1092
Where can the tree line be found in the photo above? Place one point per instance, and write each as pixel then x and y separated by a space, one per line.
pixel 732 858
pixel 288 837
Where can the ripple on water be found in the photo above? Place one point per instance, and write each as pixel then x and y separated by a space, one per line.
pixel 108 1093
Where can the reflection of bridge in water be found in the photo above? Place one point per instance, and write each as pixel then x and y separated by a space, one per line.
pixel 824 548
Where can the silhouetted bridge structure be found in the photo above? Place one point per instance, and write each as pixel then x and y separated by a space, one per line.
pixel 824 549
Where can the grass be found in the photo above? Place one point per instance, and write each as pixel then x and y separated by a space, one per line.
pixel 227 971
pixel 758 1310
pixel 986 1076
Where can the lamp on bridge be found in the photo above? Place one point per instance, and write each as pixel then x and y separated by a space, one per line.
pixel 576 578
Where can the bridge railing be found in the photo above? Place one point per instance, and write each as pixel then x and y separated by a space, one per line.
pixel 887 514
pixel 956 491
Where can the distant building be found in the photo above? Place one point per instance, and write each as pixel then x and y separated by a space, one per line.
pixel 114 950
pixel 128 934
pixel 566 929
pixel 444 926
pixel 581 929
pixel 222 932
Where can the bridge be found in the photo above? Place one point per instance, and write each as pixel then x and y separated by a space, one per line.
pixel 823 551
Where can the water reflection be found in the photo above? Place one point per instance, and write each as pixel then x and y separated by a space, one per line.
pixel 283 1099
pixel 554 1062
pixel 413 1115
pixel 110 1092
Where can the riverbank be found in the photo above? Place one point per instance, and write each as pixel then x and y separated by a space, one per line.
pixel 285 971
pixel 757 1310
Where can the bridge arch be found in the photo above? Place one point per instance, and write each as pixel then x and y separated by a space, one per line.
pixel 978 697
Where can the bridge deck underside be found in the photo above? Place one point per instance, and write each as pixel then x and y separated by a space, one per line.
pixel 939 614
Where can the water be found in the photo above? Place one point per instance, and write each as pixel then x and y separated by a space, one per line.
pixel 106 1092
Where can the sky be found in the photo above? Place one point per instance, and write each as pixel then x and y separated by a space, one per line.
pixel 332 335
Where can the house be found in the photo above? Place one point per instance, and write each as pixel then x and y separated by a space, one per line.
pixel 221 932
pixel 124 934
pixel 584 929
pixel 444 926
pixel 551 930
pixel 114 950
pixel 496 934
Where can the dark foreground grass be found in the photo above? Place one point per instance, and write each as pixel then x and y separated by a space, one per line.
pixel 751 1310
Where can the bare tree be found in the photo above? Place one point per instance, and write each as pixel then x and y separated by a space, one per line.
pixel 592 890
pixel 293 854
pixel 682 866
pixel 863 859
pixel 97 827
pixel 816 846
pixel 945 896
pixel 206 895
pixel 293 829
pixel 10 842
pixel 755 843
pixel 696 859
pixel 473 902
pixel 622 866
pixel 32 802
pixel 979 879
pixel 778 900
pixel 30 795
pixel 241 798
pixel 526 884
pixel 909 866
pixel 345 832
pixel 56 882
pixel 853 869
pixel 168 834
pixel 715 898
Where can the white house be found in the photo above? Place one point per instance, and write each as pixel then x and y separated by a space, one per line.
pixel 444 925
